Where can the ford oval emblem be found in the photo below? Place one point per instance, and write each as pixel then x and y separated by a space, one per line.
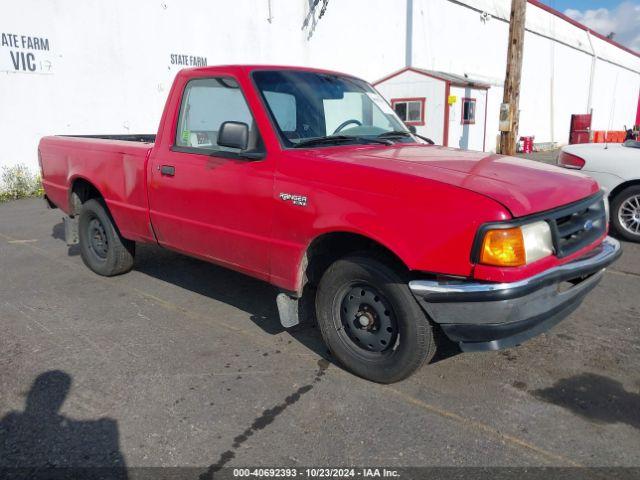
pixel 588 225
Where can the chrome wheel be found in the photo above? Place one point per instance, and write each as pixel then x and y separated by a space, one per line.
pixel 629 214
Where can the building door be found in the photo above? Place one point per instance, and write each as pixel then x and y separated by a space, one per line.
pixel 467 115
pixel 580 129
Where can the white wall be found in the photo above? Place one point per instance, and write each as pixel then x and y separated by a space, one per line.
pixel 613 97
pixel 108 67
pixel 460 40
pixel 109 64
pixel 467 136
pixel 413 85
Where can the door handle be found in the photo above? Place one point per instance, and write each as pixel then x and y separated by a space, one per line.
pixel 168 170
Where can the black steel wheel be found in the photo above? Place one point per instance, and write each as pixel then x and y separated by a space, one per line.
pixel 98 241
pixel 102 247
pixel 370 320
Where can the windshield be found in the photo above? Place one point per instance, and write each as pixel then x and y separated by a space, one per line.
pixel 310 105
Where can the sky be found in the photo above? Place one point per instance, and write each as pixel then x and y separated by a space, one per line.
pixel 605 16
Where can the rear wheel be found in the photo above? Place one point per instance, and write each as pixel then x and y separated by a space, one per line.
pixel 625 213
pixel 102 248
pixel 370 320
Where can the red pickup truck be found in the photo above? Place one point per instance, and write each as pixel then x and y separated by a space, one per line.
pixel 306 177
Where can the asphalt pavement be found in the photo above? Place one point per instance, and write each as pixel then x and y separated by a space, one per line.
pixel 183 363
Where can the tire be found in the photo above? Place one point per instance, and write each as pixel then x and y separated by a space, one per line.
pixel 102 248
pixel 398 338
pixel 625 213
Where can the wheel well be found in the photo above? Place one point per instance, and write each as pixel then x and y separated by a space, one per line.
pixel 327 248
pixel 621 187
pixel 81 191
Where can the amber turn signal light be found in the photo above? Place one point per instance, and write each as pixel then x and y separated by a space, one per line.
pixel 504 248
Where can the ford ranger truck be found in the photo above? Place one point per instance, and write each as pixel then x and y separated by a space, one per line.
pixel 308 180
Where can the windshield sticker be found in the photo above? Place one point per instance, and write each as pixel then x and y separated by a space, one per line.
pixel 186 135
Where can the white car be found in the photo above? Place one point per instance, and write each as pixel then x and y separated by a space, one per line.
pixel 616 167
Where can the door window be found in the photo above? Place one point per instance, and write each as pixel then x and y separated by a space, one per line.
pixel 206 104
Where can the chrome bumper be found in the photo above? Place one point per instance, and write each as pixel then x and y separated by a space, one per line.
pixel 490 316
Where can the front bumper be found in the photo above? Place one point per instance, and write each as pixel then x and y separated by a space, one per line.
pixel 491 316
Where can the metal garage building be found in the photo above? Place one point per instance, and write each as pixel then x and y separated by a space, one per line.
pixel 106 67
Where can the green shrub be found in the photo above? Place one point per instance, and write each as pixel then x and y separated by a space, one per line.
pixel 19 181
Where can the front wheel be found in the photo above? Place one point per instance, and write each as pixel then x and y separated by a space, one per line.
pixel 625 213
pixel 102 248
pixel 370 320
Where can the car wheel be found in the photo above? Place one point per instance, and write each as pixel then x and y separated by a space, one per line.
pixel 102 248
pixel 370 320
pixel 625 213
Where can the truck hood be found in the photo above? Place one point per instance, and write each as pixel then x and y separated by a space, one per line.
pixel 522 186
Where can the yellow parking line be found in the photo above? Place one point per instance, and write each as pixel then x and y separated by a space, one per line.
pixel 621 272
pixel 483 427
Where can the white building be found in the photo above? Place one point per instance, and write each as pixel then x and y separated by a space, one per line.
pixel 449 109
pixel 93 66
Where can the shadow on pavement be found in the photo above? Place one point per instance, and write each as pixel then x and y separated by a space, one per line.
pixel 253 296
pixel 40 438
pixel 250 295
pixel 595 398
pixel 243 292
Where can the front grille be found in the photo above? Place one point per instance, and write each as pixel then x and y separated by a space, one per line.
pixel 577 225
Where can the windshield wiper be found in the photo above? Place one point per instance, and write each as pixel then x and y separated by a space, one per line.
pixel 339 139
pixel 401 133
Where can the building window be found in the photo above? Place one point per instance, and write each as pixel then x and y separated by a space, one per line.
pixel 410 110
pixel 468 111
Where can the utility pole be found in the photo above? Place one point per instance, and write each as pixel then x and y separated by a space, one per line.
pixel 509 113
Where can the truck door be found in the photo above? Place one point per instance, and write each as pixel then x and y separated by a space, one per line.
pixel 207 200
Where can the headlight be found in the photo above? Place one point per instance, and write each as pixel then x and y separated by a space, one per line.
pixel 517 246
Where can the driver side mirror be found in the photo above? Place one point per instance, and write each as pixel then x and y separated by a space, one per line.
pixel 234 135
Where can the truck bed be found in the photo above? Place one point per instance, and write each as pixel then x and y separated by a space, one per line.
pixel 133 137
pixel 114 164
